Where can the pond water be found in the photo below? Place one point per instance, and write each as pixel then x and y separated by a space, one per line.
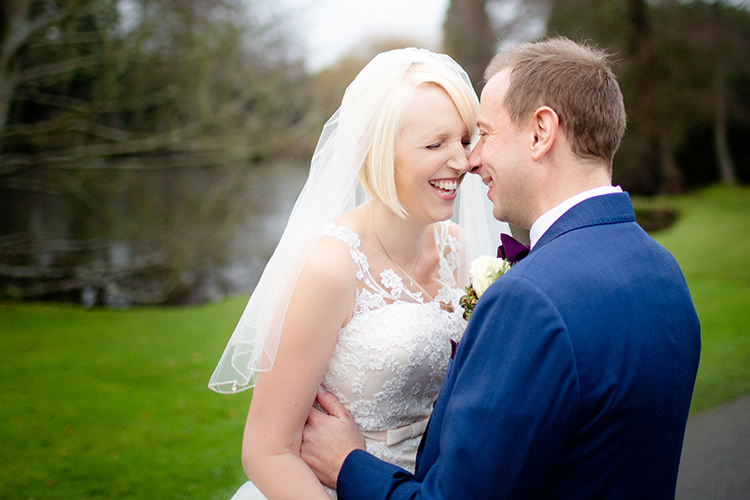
pixel 275 188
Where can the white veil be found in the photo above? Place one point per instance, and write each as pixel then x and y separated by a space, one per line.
pixel 330 191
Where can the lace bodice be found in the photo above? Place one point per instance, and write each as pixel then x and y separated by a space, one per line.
pixel 390 359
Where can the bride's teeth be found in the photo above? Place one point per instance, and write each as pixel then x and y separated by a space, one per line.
pixel 445 185
pixel 489 184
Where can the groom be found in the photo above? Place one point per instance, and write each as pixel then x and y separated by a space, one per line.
pixel 574 377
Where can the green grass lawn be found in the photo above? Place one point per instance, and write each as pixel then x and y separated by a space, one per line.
pixel 113 404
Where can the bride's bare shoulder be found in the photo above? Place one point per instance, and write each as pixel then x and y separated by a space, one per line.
pixel 356 220
pixel 330 264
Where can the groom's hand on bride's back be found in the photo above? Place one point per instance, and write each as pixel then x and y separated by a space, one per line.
pixel 328 438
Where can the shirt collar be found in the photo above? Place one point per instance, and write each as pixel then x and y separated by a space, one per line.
pixel 546 220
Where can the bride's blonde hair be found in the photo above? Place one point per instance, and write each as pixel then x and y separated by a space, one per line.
pixel 377 174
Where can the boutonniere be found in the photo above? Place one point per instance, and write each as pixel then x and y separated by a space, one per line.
pixel 485 270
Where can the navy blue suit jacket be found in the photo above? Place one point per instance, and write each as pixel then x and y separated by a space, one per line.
pixel 573 379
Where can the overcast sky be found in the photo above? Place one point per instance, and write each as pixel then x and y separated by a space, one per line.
pixel 330 28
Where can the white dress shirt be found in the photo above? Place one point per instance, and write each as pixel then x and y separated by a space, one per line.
pixel 548 218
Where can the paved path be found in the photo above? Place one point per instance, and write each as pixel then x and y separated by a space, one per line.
pixel 716 455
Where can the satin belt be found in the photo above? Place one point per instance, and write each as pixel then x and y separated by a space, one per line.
pixel 393 436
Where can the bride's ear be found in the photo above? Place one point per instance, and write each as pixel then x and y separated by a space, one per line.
pixel 545 124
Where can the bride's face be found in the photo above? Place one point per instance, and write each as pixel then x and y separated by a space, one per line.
pixel 431 156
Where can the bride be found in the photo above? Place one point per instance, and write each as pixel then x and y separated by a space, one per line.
pixel 361 295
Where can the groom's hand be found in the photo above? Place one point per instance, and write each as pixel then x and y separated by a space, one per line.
pixel 327 439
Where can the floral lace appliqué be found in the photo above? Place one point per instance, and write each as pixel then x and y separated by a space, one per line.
pixel 390 359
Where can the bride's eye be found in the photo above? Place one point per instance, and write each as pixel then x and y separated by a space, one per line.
pixel 435 146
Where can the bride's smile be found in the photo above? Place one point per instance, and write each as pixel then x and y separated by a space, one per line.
pixel 431 156
pixel 446 188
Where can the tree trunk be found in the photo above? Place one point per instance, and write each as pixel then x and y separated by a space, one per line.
pixel 469 38
pixel 721 142
pixel 13 32
pixel 7 89
pixel 642 63
pixel 671 177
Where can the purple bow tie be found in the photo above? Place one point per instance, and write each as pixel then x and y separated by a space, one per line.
pixel 511 249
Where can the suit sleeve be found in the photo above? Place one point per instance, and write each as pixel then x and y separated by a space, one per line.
pixel 513 400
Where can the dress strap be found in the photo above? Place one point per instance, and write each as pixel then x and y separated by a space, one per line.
pixel 446 244
pixel 351 238
pixel 448 252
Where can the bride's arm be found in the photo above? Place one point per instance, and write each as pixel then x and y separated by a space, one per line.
pixel 322 302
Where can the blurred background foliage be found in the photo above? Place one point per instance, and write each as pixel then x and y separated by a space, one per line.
pixel 130 129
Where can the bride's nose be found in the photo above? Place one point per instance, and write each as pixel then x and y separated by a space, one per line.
pixel 460 160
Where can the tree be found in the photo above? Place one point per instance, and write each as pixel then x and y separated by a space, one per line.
pixel 474 29
pixel 647 82
pixel 22 22
pixel 624 30
pixel 710 44
pixel 678 63
pixel 127 136
pixel 468 36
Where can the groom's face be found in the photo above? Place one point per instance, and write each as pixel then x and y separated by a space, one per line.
pixel 499 156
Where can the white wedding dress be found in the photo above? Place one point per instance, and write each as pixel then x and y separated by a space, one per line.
pixel 390 359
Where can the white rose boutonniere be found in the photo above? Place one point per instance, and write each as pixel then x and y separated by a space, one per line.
pixel 485 270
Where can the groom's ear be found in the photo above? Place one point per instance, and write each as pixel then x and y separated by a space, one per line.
pixel 544 127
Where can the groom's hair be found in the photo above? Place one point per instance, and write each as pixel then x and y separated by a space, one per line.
pixel 575 80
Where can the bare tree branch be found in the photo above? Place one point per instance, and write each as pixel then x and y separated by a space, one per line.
pixel 29 186
pixel 58 68
pixel 21 29
pixel 23 243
